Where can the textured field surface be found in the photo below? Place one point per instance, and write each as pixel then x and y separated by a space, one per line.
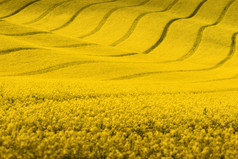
pixel 119 79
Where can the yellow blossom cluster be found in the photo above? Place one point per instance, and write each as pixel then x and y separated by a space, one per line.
pixel 78 120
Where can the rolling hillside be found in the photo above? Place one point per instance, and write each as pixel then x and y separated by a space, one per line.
pixel 118 78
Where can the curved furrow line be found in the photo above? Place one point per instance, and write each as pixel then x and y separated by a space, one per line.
pixel 20 9
pixel 217 91
pixel 200 33
pixel 201 92
pixel 8 51
pixel 136 21
pixel 77 13
pixel 42 32
pixel 214 91
pixel 48 11
pixel 199 36
pixel 138 75
pixel 169 24
pixel 75 45
pixel 214 80
pixel 219 64
pixel 54 68
pixel 106 16
pixel 123 55
pixel 230 54
pixel 27 34
pixel 219 79
pixel 120 55
pixel 4 2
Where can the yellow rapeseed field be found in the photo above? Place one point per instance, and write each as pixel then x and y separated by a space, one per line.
pixel 118 79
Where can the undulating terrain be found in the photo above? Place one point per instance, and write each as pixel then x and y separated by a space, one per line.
pixel 118 79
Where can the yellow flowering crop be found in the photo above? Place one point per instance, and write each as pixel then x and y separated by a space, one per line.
pixel 118 79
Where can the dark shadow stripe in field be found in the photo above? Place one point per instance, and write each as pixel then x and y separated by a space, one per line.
pixel 200 34
pixel 75 45
pixel 230 54
pixel 219 79
pixel 8 51
pixel 228 78
pixel 216 80
pixel 202 92
pixel 223 61
pixel 4 2
pixel 136 21
pixel 27 34
pixel 48 11
pixel 54 68
pixel 20 9
pixel 77 13
pixel 107 15
pixel 169 24
pixel 119 55
pixel 214 91
pixel 42 32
